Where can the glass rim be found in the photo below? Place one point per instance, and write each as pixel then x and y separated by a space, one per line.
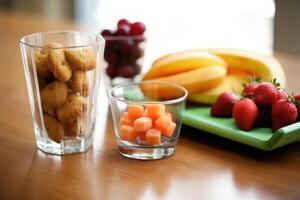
pixel 124 37
pixel 171 101
pixel 97 37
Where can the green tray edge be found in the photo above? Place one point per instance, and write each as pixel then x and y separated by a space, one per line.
pixel 281 137
pixel 285 135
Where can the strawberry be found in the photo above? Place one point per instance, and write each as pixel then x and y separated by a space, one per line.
pixel 224 105
pixel 245 113
pixel 265 94
pixel 282 95
pixel 297 100
pixel 249 90
pixel 264 117
pixel 283 113
pixel 297 97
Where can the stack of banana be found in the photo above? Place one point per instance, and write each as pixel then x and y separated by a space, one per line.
pixel 206 73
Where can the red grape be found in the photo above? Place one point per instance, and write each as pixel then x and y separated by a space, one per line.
pixel 125 44
pixel 122 22
pixel 111 72
pixel 136 52
pixel 137 28
pixel 126 71
pixel 138 39
pixel 106 32
pixel 110 56
pixel 123 30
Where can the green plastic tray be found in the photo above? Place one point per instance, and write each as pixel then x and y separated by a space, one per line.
pixel 261 138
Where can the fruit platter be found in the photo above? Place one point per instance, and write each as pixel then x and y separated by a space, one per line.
pixel 235 94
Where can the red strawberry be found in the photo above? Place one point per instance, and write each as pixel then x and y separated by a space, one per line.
pixel 249 90
pixel 245 113
pixel 297 98
pixel 265 94
pixel 264 117
pixel 224 105
pixel 283 113
pixel 282 95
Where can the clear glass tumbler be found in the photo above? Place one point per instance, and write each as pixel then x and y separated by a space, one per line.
pixel 147 118
pixel 62 72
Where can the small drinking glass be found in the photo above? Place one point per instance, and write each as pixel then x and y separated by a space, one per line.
pixel 62 72
pixel 147 118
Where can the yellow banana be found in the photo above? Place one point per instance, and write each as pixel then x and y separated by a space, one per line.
pixel 265 67
pixel 180 62
pixel 197 80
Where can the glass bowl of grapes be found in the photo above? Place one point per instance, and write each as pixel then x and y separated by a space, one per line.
pixel 124 51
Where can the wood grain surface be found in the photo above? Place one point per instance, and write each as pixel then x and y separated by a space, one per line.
pixel 204 166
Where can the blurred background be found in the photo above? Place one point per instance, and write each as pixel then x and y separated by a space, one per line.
pixel 260 25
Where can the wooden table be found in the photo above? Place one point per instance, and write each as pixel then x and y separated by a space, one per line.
pixel 204 166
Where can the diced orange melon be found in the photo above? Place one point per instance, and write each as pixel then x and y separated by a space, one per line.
pixel 141 135
pixel 155 110
pixel 127 133
pixel 168 132
pixel 135 111
pixel 162 122
pixel 153 137
pixel 142 124
pixel 146 125
pixel 125 121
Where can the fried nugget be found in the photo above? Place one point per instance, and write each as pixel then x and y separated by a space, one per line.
pixel 73 108
pixel 74 128
pixel 81 59
pixel 79 82
pixel 55 94
pixel 58 65
pixel 54 129
pixel 47 47
pixel 41 64
pixel 49 110
pixel 42 82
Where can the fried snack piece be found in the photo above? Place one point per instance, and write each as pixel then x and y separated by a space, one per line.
pixel 41 64
pixel 74 128
pixel 79 82
pixel 54 129
pixel 58 65
pixel 47 47
pixel 49 110
pixel 42 82
pixel 54 94
pixel 81 59
pixel 73 108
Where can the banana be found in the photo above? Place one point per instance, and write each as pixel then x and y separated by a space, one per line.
pixel 265 67
pixel 181 62
pixel 195 81
pixel 232 82
pixel 206 73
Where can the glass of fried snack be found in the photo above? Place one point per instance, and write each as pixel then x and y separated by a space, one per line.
pixel 147 118
pixel 62 72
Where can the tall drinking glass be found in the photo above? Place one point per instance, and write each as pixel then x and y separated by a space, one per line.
pixel 62 72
